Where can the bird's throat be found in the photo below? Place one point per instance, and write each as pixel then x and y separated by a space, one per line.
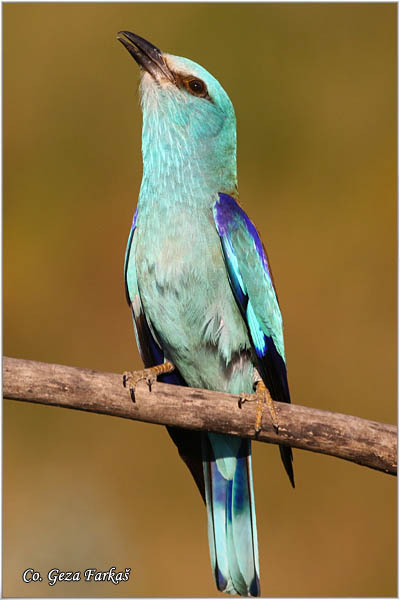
pixel 176 171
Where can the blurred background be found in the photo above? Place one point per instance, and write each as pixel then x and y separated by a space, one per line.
pixel 314 88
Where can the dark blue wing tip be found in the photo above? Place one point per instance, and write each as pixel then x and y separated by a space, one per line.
pixel 220 580
pixel 255 587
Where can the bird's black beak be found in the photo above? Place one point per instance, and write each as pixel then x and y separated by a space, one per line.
pixel 146 55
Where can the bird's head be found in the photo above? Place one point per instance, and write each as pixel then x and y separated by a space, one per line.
pixel 188 119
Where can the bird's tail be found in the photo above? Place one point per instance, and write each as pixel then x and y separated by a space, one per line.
pixel 232 531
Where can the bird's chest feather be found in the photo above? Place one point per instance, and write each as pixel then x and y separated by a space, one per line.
pixel 185 291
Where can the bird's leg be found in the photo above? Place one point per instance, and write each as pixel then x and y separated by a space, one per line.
pixel 261 396
pixel 130 379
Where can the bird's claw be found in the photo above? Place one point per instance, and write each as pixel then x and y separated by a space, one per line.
pixel 130 379
pixel 261 396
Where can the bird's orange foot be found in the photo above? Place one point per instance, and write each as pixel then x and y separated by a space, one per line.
pixel 130 379
pixel 261 396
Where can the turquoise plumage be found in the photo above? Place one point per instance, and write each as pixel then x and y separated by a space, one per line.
pixel 201 291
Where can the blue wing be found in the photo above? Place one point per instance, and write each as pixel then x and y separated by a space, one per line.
pixel 187 442
pixel 252 285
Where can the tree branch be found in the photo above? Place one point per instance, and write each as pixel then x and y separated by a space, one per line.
pixel 364 442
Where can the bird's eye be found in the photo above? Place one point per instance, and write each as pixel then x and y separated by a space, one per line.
pixel 197 87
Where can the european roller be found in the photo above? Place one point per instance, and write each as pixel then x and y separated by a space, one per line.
pixel 197 278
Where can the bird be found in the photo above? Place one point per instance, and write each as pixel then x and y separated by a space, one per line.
pixel 201 291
